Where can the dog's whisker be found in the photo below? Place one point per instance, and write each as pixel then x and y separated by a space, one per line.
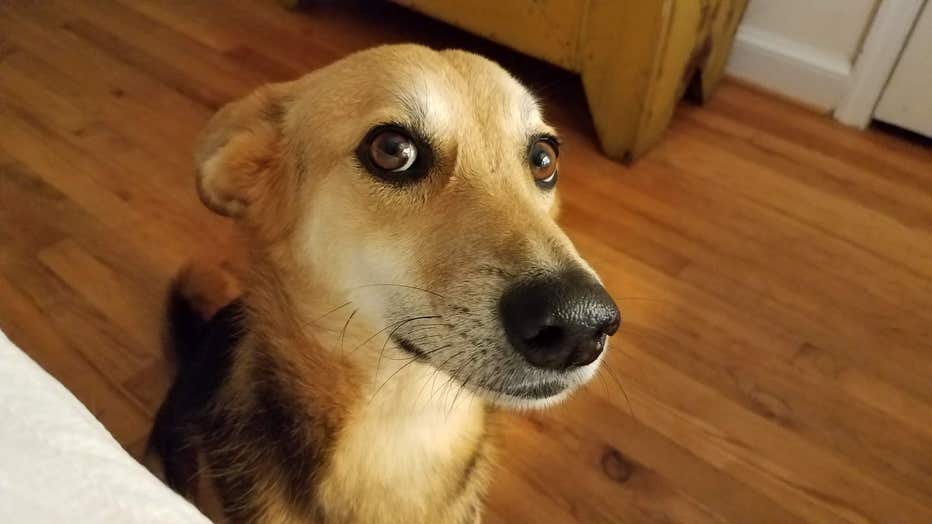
pixel 415 329
pixel 463 386
pixel 425 338
pixel 433 334
pixel 430 380
pixel 604 382
pixel 424 380
pixel 611 373
pixel 499 388
pixel 390 326
pixel 334 310
pixel 437 370
pixel 345 325
pixel 406 286
pixel 390 377
pixel 454 377
pixel 450 383
pixel 388 339
pixel 451 357
pixel 409 361
pixel 451 375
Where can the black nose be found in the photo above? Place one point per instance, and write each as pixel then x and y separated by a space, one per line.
pixel 559 321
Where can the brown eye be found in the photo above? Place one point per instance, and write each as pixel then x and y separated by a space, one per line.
pixel 392 151
pixel 543 160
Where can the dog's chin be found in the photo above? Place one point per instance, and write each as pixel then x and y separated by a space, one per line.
pixel 538 394
pixel 520 402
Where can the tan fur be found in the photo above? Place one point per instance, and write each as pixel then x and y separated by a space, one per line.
pixel 208 286
pixel 410 440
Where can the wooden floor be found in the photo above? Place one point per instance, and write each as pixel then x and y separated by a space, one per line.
pixel 774 269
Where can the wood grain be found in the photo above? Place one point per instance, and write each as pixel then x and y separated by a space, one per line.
pixel 774 269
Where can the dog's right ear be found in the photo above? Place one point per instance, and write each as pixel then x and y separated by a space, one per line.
pixel 238 154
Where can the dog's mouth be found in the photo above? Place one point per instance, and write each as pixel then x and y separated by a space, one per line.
pixel 537 391
pixel 504 392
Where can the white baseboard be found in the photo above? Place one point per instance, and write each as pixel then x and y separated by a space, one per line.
pixel 789 68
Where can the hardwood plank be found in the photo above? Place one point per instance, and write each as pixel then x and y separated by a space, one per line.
pixel 300 48
pixel 82 171
pixel 171 57
pixel 102 85
pixel 27 203
pixel 106 290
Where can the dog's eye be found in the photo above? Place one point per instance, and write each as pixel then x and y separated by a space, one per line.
pixel 543 160
pixel 392 151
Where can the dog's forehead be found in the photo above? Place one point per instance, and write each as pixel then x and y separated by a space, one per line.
pixel 443 89
pixel 493 91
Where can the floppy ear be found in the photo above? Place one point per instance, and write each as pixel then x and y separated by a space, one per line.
pixel 237 155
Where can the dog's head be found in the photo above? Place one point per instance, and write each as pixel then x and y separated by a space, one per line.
pixel 421 186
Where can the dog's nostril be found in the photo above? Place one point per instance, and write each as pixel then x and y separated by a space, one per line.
pixel 548 336
pixel 611 327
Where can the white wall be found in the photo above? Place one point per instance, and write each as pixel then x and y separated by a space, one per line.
pixel 803 49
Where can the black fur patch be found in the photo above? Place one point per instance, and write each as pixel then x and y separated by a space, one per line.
pixel 295 435
pixel 268 439
pixel 203 350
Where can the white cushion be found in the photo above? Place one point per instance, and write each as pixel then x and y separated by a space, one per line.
pixel 59 464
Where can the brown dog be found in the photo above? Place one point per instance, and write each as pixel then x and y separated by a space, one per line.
pixel 405 275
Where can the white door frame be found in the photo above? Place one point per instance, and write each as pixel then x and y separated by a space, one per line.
pixel 882 47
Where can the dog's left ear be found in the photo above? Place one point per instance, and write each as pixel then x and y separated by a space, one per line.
pixel 238 154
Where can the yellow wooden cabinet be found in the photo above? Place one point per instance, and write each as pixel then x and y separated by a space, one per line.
pixel 637 57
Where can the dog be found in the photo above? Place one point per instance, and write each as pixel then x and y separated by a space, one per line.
pixel 405 279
